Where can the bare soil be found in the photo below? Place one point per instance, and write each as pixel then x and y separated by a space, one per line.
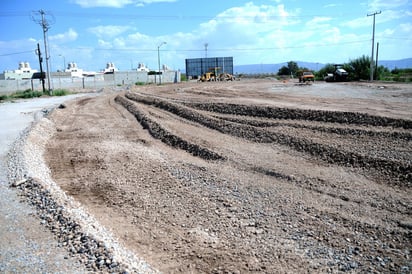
pixel 255 176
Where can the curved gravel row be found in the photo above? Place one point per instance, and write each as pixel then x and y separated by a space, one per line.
pixel 328 129
pixel 73 227
pixel 398 171
pixel 158 132
pixel 304 114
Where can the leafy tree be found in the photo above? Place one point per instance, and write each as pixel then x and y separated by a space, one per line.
pixel 328 68
pixel 293 67
pixel 359 68
pixel 284 71
pixel 382 73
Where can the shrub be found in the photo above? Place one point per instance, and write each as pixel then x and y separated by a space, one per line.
pixel 60 92
pixel 28 93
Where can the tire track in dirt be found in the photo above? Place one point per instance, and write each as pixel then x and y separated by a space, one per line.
pixel 399 172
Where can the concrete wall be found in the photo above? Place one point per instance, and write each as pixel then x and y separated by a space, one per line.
pixel 64 81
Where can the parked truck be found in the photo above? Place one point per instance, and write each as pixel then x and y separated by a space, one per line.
pixel 306 76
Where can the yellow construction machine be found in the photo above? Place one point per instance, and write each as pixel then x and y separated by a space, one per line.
pixel 210 76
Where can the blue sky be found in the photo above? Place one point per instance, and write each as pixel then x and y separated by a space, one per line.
pixel 127 32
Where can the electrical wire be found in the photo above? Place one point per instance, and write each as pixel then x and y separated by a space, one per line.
pixel 223 49
pixel 15 53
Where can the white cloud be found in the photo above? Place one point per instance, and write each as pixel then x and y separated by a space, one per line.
pixel 102 3
pixel 251 33
pixel 116 3
pixel 407 27
pixel 376 5
pixel 360 22
pixel 318 23
pixel 108 31
pixel 333 5
pixel 68 36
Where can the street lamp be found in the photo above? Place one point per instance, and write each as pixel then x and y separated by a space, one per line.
pixel 158 60
pixel 64 62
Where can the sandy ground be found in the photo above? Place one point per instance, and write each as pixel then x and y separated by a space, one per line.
pixel 252 176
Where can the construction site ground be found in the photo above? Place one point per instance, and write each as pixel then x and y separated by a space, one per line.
pixel 249 176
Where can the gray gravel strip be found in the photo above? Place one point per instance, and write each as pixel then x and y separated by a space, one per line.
pixel 55 234
pixel 26 246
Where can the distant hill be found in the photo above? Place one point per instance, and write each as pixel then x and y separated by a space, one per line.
pixel 274 68
pixel 391 64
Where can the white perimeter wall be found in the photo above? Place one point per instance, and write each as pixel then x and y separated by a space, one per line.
pixel 62 81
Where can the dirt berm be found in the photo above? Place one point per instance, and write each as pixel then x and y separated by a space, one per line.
pixel 245 177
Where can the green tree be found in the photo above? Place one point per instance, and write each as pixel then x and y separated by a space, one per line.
pixel 328 68
pixel 293 67
pixel 382 73
pixel 359 68
pixel 290 69
pixel 284 71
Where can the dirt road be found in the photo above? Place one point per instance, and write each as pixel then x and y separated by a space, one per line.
pixel 250 176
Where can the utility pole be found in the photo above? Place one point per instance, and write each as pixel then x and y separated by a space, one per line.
pixel 206 44
pixel 158 61
pixel 373 40
pixel 45 24
pixel 38 52
pixel 376 64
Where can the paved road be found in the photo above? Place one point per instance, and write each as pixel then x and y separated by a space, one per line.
pixel 25 245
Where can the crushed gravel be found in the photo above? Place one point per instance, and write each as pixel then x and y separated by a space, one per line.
pixel 87 245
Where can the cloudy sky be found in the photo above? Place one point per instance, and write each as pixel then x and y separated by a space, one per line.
pixel 127 32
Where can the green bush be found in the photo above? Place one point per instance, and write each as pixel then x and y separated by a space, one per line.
pixel 139 83
pixel 28 93
pixel 60 92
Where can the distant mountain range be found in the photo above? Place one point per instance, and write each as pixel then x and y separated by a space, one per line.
pixel 274 68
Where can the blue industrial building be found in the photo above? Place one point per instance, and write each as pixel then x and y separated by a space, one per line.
pixel 196 67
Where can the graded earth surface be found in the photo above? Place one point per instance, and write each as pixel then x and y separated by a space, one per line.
pixel 250 176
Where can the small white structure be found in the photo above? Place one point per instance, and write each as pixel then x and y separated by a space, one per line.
pixel 23 72
pixel 74 70
pixel 142 67
pixel 110 68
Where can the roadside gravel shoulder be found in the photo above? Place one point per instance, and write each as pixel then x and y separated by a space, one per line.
pixel 42 230
pixel 26 246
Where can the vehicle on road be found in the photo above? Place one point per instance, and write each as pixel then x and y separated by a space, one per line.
pixel 306 76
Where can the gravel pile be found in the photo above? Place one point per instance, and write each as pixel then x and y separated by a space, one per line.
pixel 73 227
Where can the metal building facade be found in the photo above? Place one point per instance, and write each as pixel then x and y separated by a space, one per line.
pixel 197 66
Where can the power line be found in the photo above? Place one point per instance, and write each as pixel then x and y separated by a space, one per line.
pixel 224 49
pixel 15 53
pixel 167 16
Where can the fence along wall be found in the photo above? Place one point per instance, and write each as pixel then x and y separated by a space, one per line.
pixel 63 81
